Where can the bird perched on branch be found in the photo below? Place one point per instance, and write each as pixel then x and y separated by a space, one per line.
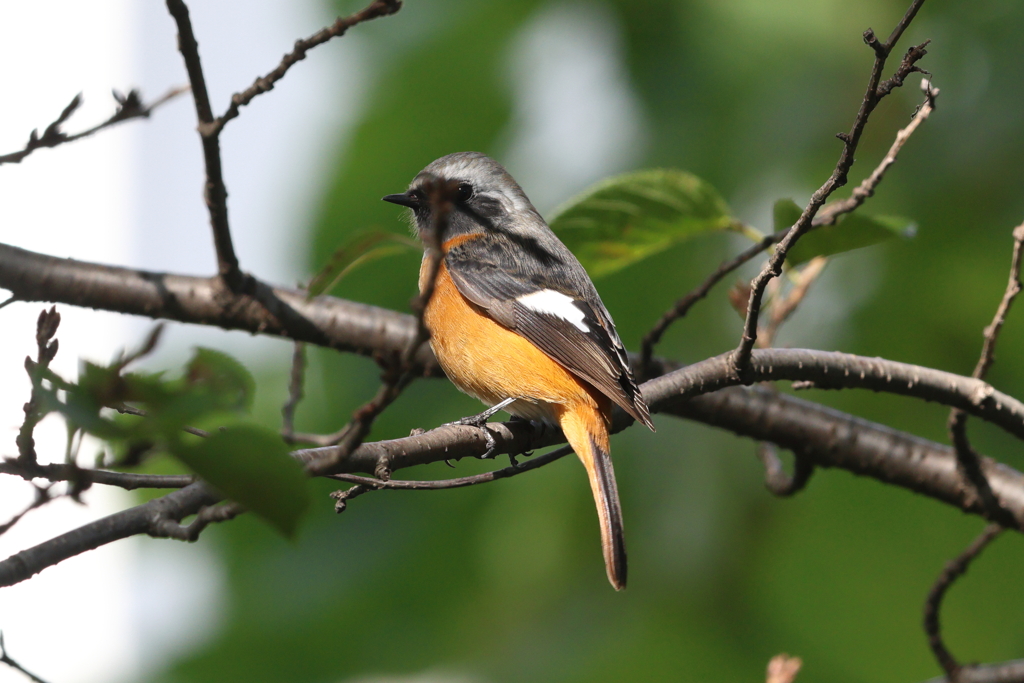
pixel 515 321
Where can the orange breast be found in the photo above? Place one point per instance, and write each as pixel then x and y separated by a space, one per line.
pixel 491 362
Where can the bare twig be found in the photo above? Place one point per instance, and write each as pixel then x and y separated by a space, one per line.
pixel 876 90
pixel 6 659
pixel 378 8
pixel 370 483
pixel 42 497
pixel 868 186
pixel 826 216
pixel 294 393
pixel 129 106
pixel 950 573
pixel 139 412
pixel 215 192
pixel 64 472
pixel 957 423
pixel 783 669
pixel 46 328
pixel 775 478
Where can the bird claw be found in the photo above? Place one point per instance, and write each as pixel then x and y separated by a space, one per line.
pixel 480 422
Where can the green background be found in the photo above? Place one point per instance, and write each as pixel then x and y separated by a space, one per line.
pixel 505 582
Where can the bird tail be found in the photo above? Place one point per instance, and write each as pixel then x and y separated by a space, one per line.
pixel 585 429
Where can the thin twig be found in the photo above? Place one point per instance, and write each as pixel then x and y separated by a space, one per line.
pixel 876 90
pixel 126 409
pixel 967 458
pixel 215 192
pixel 6 659
pixel 371 483
pixel 129 106
pixel 868 186
pixel 950 573
pixel 294 392
pixel 826 216
pixel 129 481
pixel 42 497
pixel 378 8
pixel 775 478
pixel 46 328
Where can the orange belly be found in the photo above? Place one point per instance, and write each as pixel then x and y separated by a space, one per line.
pixel 491 362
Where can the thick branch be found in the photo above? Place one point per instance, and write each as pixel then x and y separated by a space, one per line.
pixel 143 519
pixel 323 321
pixel 834 370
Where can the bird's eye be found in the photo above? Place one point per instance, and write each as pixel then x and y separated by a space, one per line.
pixel 465 192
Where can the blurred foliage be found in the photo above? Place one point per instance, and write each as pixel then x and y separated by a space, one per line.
pixel 246 462
pixel 851 231
pixel 504 582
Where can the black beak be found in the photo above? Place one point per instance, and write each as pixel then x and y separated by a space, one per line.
pixel 404 199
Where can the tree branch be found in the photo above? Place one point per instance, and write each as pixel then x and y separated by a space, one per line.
pixel 129 481
pixel 874 94
pixel 129 106
pixel 148 518
pixel 260 308
pixel 827 437
pixel 215 192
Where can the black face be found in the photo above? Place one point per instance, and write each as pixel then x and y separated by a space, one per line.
pixel 473 211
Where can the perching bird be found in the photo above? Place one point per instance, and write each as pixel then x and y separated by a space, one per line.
pixel 515 321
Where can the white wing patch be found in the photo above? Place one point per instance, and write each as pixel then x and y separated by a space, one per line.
pixel 556 304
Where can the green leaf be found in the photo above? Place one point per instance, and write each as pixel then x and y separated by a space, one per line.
pixel 222 376
pixel 626 218
pixel 852 231
pixel 785 214
pixel 251 466
pixel 359 249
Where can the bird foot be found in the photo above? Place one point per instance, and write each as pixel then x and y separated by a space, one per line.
pixel 480 421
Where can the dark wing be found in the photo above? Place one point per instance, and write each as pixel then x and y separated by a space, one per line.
pixel 543 293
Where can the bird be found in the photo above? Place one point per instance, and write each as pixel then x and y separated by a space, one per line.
pixel 515 321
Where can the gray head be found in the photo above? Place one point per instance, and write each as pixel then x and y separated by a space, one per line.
pixel 492 199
